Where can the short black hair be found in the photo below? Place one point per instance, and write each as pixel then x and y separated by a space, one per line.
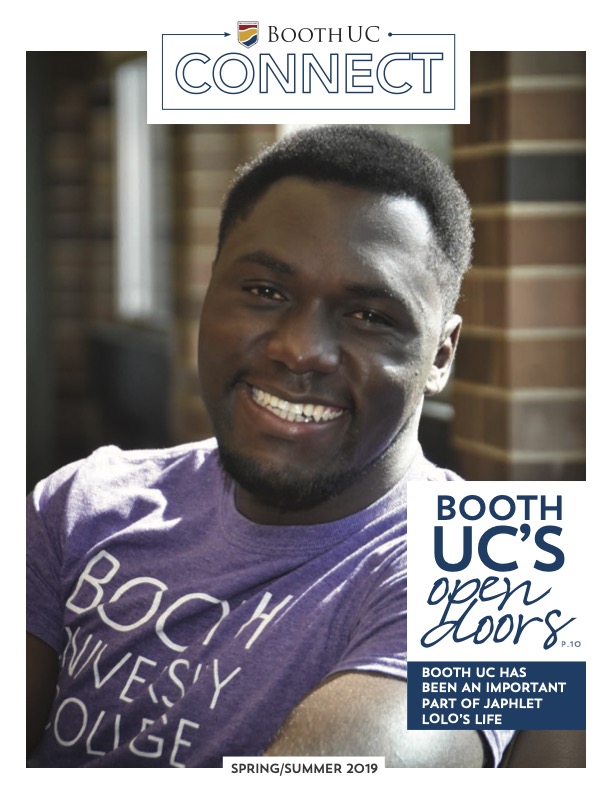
pixel 371 159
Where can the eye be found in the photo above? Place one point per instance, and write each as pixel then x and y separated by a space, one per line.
pixel 371 317
pixel 265 292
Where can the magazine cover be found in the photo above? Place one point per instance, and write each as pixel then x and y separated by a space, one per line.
pixel 255 442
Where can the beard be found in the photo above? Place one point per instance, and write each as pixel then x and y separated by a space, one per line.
pixel 296 487
pixel 288 489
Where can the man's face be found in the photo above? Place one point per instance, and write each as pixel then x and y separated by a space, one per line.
pixel 320 333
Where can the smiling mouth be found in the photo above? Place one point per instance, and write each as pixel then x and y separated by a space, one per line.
pixel 294 412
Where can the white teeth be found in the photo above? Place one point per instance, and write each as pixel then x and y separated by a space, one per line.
pixel 292 412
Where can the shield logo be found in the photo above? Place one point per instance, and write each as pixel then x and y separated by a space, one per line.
pixel 248 33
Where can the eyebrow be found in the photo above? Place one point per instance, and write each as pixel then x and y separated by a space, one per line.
pixel 364 290
pixel 272 263
pixel 374 292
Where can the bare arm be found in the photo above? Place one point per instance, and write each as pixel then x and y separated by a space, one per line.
pixel 547 749
pixel 359 714
pixel 41 677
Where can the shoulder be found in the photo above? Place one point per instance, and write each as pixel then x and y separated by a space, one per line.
pixel 432 472
pixel 111 461
pixel 421 469
pixel 435 473
pixel 110 475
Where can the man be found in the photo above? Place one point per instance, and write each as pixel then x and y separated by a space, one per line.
pixel 207 602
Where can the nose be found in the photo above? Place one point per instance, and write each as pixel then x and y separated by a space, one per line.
pixel 304 340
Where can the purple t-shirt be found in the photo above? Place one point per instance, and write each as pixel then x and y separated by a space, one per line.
pixel 187 632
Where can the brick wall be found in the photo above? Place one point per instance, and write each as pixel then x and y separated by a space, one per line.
pixel 77 190
pixel 519 390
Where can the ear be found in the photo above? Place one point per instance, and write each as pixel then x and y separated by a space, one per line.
pixel 440 370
